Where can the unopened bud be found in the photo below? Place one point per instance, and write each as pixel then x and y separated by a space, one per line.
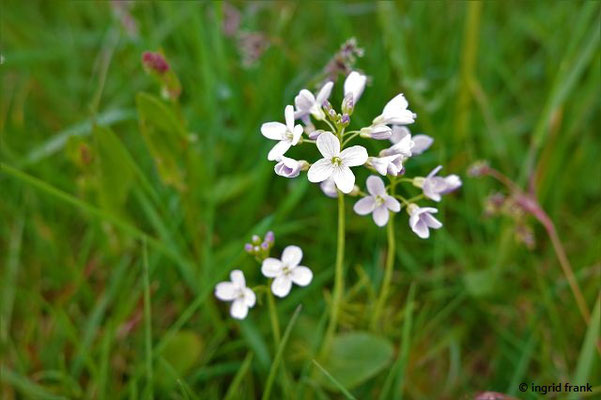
pixel 155 61
pixel 345 120
pixel 348 104
pixel 256 239
pixel 269 237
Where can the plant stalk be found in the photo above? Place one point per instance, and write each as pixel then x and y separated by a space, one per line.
pixel 385 289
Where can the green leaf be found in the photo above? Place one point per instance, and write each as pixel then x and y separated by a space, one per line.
pixel 588 353
pixel 356 357
pixel 116 173
pixel 183 351
pixel 165 137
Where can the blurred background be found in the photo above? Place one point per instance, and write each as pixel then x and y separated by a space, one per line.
pixel 118 181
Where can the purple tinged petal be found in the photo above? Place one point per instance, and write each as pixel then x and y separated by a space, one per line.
pixel 381 215
pixel 365 205
pixel 375 186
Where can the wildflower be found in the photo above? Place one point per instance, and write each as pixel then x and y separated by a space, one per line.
pixel 289 167
pixel 388 165
pixel 155 61
pixel 433 186
pixel 354 85
pixel 307 104
pixel 378 203
pixel 396 113
pixel 286 271
pixel 378 132
pixel 421 142
pixel 421 219
pixel 287 134
pixel 404 147
pixel 336 163
pixel 328 187
pixel 242 298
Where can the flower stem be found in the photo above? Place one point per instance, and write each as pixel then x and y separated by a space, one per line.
pixel 338 280
pixel 385 289
pixel 273 316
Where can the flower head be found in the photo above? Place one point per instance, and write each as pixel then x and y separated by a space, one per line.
pixel 354 85
pixel 396 113
pixel 421 142
pixel 378 202
pixel 286 271
pixel 388 165
pixel 433 186
pixel 242 298
pixel 287 134
pixel 336 163
pixel 289 167
pixel 421 219
pixel 306 103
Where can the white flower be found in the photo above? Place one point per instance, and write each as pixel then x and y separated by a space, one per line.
pixel 288 134
pixel 354 85
pixel 288 167
pixel 389 165
pixel 433 186
pixel 378 203
pixel 336 163
pixel 421 219
pixel 242 298
pixel 328 187
pixel 403 147
pixel 396 113
pixel 306 103
pixel 286 271
pixel 378 132
pixel 421 142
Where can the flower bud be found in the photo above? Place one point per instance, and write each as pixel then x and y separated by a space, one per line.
pixel 345 120
pixel 315 134
pixel 479 168
pixel 378 132
pixel 288 167
pixel 348 104
pixel 269 237
pixel 248 248
pixel 265 246
pixel 256 239
pixel 418 181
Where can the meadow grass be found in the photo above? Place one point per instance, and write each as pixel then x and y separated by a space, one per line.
pixel 109 259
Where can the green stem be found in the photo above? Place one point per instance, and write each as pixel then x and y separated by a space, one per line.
pixel 385 289
pixel 273 316
pixel 347 140
pixel 338 279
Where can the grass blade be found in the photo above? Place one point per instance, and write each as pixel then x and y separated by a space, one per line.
pixel 334 381
pixel 147 327
pixel 232 391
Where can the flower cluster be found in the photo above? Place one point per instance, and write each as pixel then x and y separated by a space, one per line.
pixel 282 273
pixel 333 171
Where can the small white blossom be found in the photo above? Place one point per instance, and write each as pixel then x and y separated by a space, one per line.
pixel 286 271
pixel 336 163
pixel 403 147
pixel 288 167
pixel 354 85
pixel 378 202
pixel 421 219
pixel 378 132
pixel 328 187
pixel 421 142
pixel 242 298
pixel 287 134
pixel 396 113
pixel 433 186
pixel 306 103
pixel 388 165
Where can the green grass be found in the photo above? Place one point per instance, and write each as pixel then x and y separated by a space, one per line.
pixel 109 263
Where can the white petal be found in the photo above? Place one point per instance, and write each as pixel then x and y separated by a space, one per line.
pixel 453 182
pixel 301 275
pixel 430 210
pixel 381 215
pixel 320 170
pixel 292 256
pixel 237 278
pixel 355 84
pixel 344 179
pixel 296 134
pixel 365 206
pixel 375 186
pixel 278 150
pixel 289 114
pixel 328 145
pixel 422 143
pixel 281 286
pixel 273 130
pixel 431 221
pixel 226 291
pixel 324 93
pixel 353 156
pixel 399 132
pixel 304 100
pixel 421 229
pixel 397 104
pixel 249 297
pixel 271 267
pixel 380 164
pixel 434 171
pixel 392 204
pixel 239 309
